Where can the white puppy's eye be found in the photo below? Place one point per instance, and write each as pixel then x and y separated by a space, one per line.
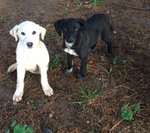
pixel 34 32
pixel 22 33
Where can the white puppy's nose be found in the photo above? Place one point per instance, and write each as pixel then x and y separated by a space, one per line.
pixel 30 44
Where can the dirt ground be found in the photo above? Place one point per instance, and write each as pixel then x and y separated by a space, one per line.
pixel 125 83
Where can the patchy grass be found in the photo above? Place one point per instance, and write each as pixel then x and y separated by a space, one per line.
pixel 78 3
pixel 137 29
pixel 86 97
pixel 56 60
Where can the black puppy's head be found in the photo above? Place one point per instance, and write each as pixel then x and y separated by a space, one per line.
pixel 69 27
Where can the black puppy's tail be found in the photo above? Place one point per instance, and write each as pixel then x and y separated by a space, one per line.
pixel 111 27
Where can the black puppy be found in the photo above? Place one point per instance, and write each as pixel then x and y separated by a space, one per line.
pixel 80 38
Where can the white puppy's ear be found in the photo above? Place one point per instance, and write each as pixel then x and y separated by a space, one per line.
pixel 13 32
pixel 43 32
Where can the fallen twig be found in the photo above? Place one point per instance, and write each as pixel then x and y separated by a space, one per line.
pixel 115 126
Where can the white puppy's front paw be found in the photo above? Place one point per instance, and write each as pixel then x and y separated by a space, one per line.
pixel 48 91
pixel 17 96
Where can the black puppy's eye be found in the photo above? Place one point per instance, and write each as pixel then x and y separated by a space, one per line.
pixel 75 28
pixel 34 32
pixel 22 33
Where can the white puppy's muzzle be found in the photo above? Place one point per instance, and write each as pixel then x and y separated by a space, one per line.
pixel 29 44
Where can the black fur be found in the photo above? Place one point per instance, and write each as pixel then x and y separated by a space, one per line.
pixel 84 37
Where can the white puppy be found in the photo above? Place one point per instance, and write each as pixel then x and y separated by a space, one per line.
pixel 31 55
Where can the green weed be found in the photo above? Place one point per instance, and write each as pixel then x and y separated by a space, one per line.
pixel 19 128
pixel 36 106
pixel 56 60
pixel 22 129
pixel 87 96
pixel 118 60
pixel 92 131
pixel 128 112
pixel 96 2
pixel 108 70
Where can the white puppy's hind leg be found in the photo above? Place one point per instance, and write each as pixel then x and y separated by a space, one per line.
pixel 48 91
pixel 12 68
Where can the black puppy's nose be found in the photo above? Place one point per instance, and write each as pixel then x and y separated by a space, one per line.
pixel 29 44
pixel 70 40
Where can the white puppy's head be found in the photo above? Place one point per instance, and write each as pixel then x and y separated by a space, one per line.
pixel 28 33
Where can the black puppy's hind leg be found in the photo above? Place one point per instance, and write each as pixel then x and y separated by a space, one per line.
pixel 91 49
pixel 107 39
pixel 109 49
pixel 83 68
pixel 70 64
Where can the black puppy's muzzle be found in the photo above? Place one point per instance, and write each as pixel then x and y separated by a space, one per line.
pixel 30 44
pixel 71 40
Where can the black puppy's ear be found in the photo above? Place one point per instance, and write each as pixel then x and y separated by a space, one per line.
pixel 58 26
pixel 82 22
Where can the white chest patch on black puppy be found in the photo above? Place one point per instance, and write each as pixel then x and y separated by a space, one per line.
pixel 69 50
pixel 68 45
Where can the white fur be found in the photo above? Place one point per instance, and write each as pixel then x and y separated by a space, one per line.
pixel 68 45
pixel 69 70
pixel 68 49
pixel 34 59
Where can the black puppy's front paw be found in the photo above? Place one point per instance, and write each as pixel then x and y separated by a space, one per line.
pixel 108 55
pixel 68 71
pixel 80 77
